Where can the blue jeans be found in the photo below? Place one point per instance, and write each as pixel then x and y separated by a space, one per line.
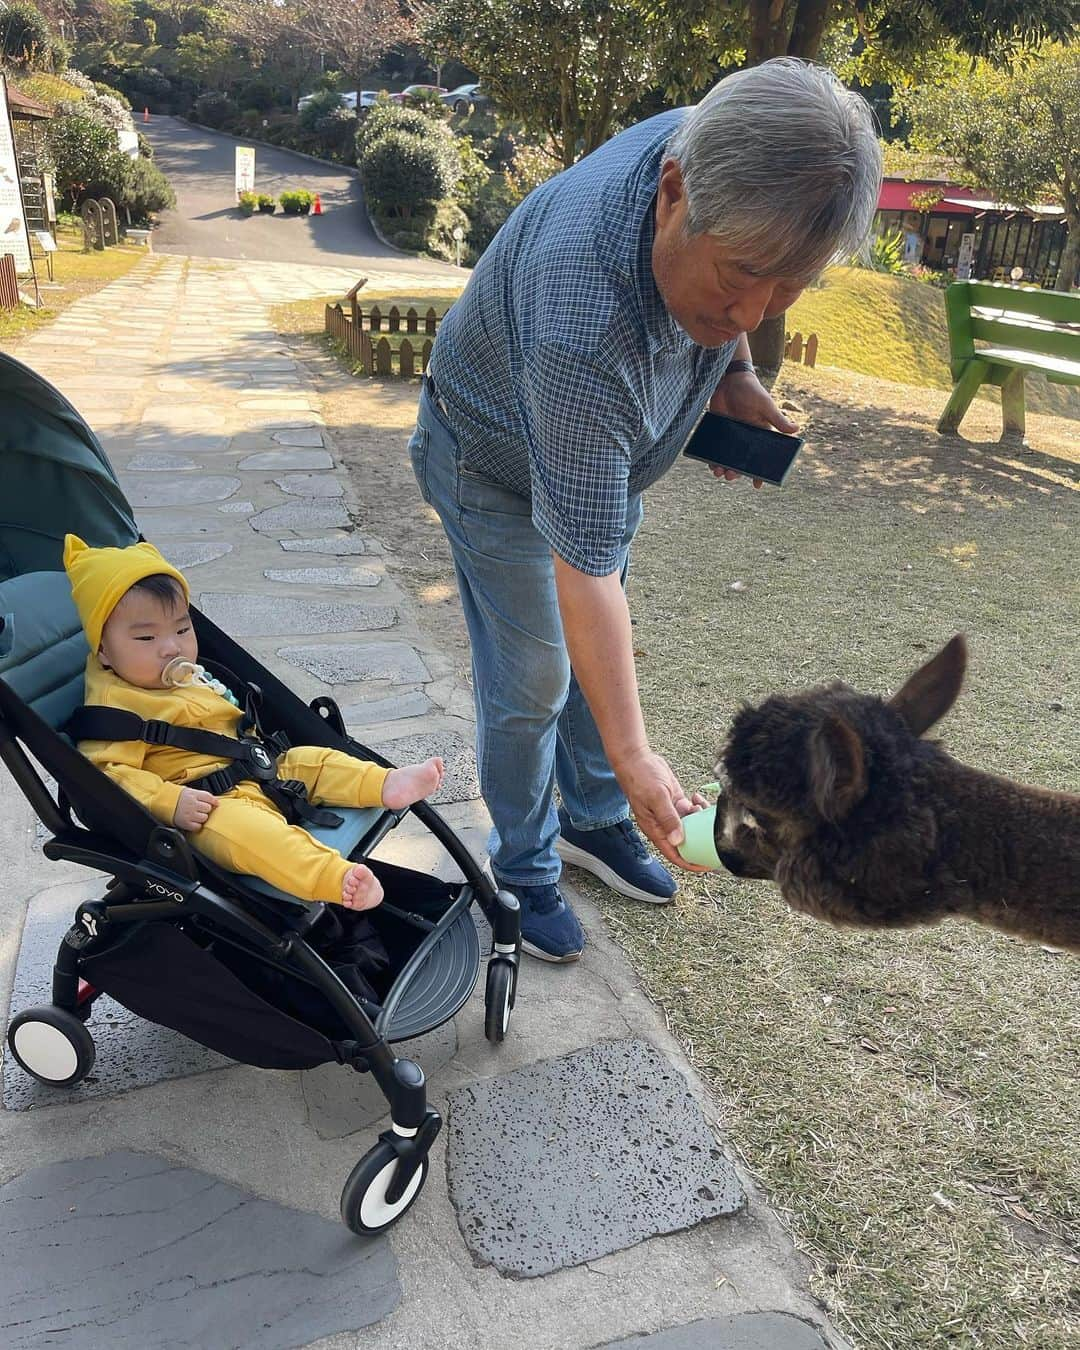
pixel 533 726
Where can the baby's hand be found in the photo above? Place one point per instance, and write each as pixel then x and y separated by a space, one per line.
pixel 193 809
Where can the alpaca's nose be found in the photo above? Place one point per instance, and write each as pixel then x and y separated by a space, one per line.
pixel 734 862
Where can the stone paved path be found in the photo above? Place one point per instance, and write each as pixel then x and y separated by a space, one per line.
pixel 215 430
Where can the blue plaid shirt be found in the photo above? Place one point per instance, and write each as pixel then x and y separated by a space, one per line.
pixel 565 378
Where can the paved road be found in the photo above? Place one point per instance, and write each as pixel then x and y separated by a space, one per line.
pixel 200 164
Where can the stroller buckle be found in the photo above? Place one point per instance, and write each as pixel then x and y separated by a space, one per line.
pixel 156 732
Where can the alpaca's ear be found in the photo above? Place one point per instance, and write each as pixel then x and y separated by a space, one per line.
pixel 837 769
pixel 933 689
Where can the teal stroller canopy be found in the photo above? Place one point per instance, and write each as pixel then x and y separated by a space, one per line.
pixel 54 478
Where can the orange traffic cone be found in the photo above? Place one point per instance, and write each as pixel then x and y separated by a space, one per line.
pixel 146 114
pixel 316 210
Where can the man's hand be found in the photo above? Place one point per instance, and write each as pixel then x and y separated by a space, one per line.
pixel 658 803
pixel 193 809
pixel 742 395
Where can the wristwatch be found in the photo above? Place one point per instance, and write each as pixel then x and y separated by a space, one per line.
pixel 740 367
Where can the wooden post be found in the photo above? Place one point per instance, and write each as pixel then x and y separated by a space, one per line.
pixel 1012 407
pixel 393 324
pixel 430 320
pixel 795 354
pixel 367 355
pixel 811 350
pixel 411 320
pixel 375 319
pixel 425 354
pixel 405 359
pixel 967 387
pixel 382 358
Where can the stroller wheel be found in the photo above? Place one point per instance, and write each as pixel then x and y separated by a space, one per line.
pixel 364 1206
pixel 498 999
pixel 51 1045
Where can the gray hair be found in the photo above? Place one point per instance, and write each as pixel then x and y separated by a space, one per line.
pixel 782 164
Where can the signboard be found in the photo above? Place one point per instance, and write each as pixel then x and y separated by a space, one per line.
pixel 13 236
pixel 245 169
pixel 964 257
pixel 128 143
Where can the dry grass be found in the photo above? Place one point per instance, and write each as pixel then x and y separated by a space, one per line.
pixel 908 1099
pixel 75 274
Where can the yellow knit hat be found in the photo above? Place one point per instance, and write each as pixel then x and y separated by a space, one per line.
pixel 101 577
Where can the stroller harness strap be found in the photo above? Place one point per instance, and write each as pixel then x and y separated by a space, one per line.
pixel 251 760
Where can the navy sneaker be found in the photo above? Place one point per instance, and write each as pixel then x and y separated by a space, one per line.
pixel 618 856
pixel 549 927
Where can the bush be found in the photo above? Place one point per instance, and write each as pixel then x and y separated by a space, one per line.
pixel 88 164
pixel 429 103
pixel 85 83
pixel 296 203
pixel 322 103
pixel 247 202
pixel 404 172
pixel 387 116
pixel 101 108
pixel 258 96
pixel 86 160
pixel 98 86
pixel 144 190
pixel 214 110
pixel 336 132
pixel 886 254
pixel 25 36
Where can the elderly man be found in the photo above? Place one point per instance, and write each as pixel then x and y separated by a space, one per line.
pixel 609 311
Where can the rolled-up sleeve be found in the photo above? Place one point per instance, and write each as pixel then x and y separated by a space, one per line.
pixel 581 425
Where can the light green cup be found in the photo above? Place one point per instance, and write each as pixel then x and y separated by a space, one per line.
pixel 699 845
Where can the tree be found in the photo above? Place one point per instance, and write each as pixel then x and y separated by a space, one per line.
pixel 354 33
pixel 1016 134
pixel 568 69
pixel 25 36
pixel 269 30
pixel 573 68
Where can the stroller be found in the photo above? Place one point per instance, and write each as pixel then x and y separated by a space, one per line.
pixel 227 960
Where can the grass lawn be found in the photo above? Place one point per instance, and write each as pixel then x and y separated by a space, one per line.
pixel 895 328
pixel 907 1098
pixel 75 274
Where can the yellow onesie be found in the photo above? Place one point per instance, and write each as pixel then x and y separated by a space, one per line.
pixel 245 832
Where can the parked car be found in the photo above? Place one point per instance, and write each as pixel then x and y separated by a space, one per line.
pixel 347 100
pixel 466 97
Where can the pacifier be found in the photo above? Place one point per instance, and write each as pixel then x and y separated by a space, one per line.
pixel 180 671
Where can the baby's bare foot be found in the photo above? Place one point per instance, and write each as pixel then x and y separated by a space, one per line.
pixel 411 783
pixel 361 888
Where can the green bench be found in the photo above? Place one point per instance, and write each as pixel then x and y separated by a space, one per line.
pixel 1019 329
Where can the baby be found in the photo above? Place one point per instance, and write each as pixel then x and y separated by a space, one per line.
pixel 134 609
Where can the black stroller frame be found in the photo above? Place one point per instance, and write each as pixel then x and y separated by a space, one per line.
pixel 165 900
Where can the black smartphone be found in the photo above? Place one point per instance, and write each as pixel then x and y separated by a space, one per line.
pixel 754 451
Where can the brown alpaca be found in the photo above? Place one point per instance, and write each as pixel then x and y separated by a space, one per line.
pixel 833 795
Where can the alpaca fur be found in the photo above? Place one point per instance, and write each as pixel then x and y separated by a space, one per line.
pixel 833 795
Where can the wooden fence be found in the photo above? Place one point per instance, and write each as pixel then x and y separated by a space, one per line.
pixel 359 331
pixel 799 352
pixel 9 282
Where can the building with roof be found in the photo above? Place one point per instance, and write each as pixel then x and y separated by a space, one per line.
pixel 1006 236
